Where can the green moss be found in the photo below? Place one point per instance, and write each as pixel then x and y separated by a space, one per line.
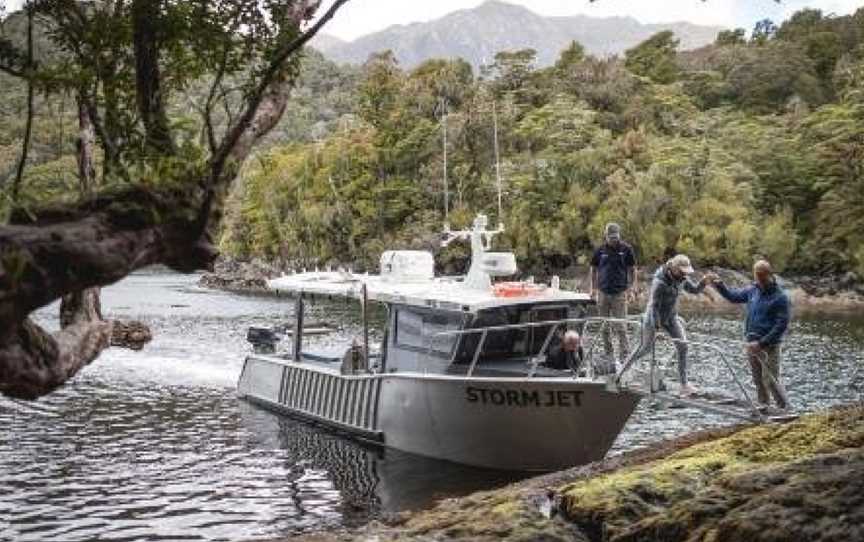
pixel 667 497
pixel 619 498
pixel 503 514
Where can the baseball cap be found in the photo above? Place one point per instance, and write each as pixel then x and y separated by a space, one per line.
pixel 613 231
pixel 681 262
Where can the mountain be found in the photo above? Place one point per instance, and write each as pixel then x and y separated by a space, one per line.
pixel 326 42
pixel 477 34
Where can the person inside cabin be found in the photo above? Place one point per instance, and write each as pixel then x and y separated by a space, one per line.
pixel 768 313
pixel 613 277
pixel 662 313
pixel 566 352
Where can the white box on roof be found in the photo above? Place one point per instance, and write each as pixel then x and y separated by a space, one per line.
pixel 407 265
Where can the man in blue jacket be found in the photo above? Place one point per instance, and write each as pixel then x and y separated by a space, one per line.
pixel 768 312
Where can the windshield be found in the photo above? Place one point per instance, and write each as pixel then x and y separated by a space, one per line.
pixel 424 330
pixel 521 342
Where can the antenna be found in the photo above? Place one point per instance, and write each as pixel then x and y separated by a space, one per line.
pixel 497 166
pixel 446 186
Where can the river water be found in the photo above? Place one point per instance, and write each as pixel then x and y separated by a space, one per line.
pixel 154 445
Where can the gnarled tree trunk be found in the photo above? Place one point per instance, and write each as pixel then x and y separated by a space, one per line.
pixel 94 244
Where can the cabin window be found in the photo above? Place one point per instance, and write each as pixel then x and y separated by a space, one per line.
pixel 520 342
pixel 418 330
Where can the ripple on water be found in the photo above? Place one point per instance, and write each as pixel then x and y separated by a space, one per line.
pixel 158 463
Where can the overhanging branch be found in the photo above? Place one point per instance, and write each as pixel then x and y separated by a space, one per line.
pixel 272 76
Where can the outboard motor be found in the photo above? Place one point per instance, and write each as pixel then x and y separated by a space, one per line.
pixel 262 339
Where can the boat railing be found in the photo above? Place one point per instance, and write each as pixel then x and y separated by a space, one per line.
pixel 722 377
pixel 587 327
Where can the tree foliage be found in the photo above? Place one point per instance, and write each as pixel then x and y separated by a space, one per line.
pixel 655 58
pixel 742 149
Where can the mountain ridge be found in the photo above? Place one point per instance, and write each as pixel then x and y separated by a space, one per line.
pixel 476 34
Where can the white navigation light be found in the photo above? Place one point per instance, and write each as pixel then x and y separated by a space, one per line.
pixel 407 265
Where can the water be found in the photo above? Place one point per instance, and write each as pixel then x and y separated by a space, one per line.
pixel 154 445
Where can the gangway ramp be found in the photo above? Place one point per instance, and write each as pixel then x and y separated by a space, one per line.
pixel 717 366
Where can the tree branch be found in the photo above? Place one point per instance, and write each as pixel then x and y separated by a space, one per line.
pixel 70 250
pixel 272 82
pixel 34 362
pixel 101 240
pixel 264 108
pixel 214 86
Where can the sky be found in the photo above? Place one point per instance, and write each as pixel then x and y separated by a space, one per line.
pixel 359 17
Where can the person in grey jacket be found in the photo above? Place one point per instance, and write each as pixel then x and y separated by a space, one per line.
pixel 662 313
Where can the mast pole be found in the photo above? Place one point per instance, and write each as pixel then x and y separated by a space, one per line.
pixel 446 185
pixel 497 165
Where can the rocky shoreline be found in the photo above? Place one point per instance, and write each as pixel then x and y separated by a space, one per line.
pixel 800 480
pixel 829 293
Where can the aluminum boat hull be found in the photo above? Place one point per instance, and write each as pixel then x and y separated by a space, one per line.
pixel 528 424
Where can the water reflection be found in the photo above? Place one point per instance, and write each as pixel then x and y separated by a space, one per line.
pixel 371 480
pixel 98 462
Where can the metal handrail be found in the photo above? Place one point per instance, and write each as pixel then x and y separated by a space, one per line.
pixel 762 358
pixel 537 358
pixel 723 358
pixel 586 323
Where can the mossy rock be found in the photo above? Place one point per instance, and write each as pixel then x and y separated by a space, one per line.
pixel 497 515
pixel 672 496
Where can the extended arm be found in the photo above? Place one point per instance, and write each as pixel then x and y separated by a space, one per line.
pixel 733 295
pixel 692 287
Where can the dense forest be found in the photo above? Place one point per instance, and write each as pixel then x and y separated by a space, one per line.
pixel 751 146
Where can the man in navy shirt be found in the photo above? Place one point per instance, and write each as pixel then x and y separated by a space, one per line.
pixel 768 313
pixel 613 274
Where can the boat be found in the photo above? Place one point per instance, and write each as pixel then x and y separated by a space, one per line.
pixel 460 374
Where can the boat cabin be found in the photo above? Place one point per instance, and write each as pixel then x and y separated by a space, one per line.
pixel 449 325
pixel 421 339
